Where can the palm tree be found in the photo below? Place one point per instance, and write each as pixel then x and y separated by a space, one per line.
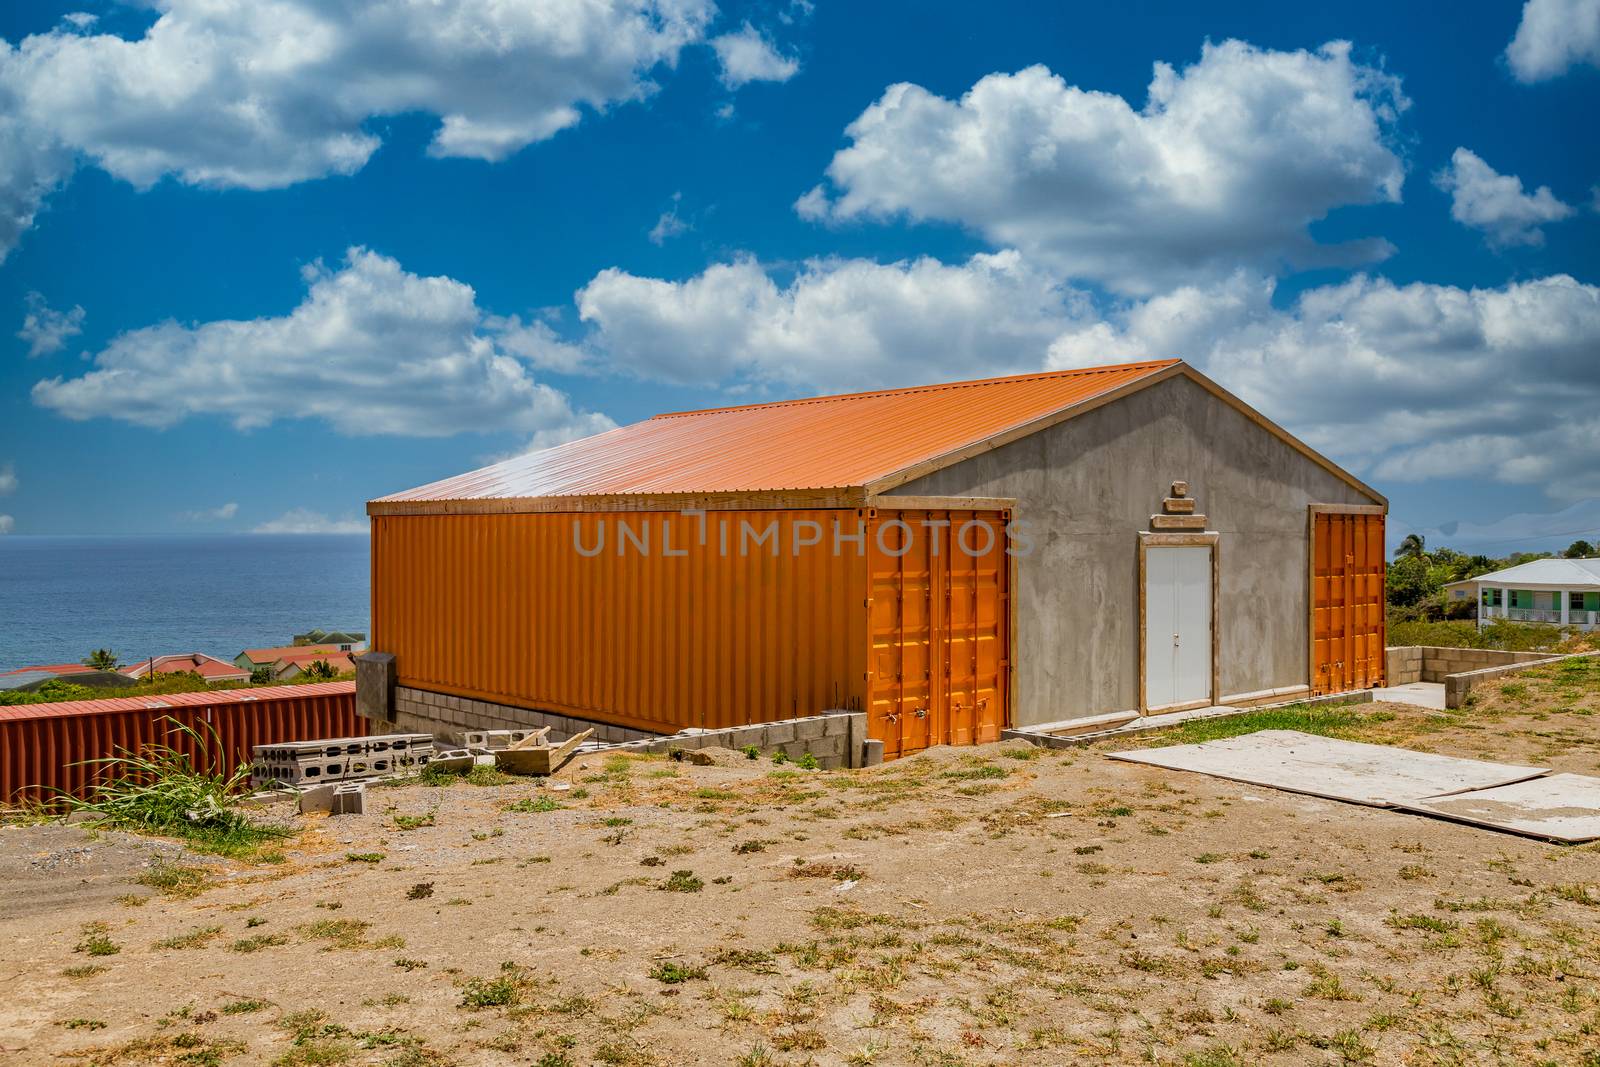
pixel 102 659
pixel 1411 547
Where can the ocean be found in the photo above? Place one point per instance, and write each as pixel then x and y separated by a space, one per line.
pixel 62 597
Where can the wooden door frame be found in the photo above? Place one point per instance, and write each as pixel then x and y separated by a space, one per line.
pixel 1312 511
pixel 1208 539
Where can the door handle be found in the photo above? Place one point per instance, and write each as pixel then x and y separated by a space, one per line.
pixel 922 713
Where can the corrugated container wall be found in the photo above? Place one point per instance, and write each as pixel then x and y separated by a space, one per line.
pixel 664 620
pixel 44 748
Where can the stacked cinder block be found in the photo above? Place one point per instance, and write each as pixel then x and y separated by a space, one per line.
pixel 419 709
pixel 836 739
pixel 300 763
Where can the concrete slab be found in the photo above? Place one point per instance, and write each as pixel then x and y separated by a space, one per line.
pixel 1562 807
pixel 1376 775
pixel 1422 694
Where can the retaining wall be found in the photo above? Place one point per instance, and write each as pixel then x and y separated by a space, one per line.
pixel 1457 686
pixel 421 711
pixel 1433 663
pixel 836 739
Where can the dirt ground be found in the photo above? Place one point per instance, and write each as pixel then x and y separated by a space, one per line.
pixel 993 905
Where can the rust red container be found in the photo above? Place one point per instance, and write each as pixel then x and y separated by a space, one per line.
pixel 43 746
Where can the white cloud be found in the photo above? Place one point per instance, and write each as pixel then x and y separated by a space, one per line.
pixel 219 514
pixel 372 349
pixel 1495 203
pixel 264 94
pixel 1228 162
pixel 837 324
pixel 669 225
pixel 1524 531
pixel 305 521
pixel 7 524
pixel 47 330
pixel 8 479
pixel 1406 383
pixel 747 56
pixel 1553 37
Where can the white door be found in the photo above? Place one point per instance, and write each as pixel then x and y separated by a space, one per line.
pixel 1177 625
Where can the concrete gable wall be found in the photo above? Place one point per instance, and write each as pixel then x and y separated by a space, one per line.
pixel 1086 488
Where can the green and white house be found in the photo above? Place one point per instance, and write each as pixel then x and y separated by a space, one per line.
pixel 1561 592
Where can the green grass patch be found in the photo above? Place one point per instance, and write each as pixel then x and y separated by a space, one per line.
pixel 1327 720
pixel 533 805
pixel 670 973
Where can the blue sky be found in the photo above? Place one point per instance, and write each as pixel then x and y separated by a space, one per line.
pixel 320 257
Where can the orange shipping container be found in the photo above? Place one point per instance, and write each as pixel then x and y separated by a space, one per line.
pixel 662 620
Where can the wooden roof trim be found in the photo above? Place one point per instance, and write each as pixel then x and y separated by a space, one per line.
pixel 942 503
pixel 1054 418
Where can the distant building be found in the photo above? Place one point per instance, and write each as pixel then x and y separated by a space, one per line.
pixel 1561 592
pixel 344 640
pixel 31 679
pixel 210 668
pixel 254 659
pixel 291 667
pixel 51 668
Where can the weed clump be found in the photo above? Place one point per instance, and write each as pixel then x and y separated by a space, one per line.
pixel 671 973
pixel 163 790
pixel 682 882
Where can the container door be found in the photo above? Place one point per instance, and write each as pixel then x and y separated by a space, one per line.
pixel 1177 625
pixel 902 663
pixel 940 622
pixel 977 622
pixel 1347 601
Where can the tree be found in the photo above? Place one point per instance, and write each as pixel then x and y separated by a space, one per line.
pixel 1579 549
pixel 319 670
pixel 260 675
pixel 1411 547
pixel 1408 583
pixel 102 659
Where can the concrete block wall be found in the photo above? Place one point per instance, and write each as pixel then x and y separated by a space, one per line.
pixel 1433 663
pixel 1402 664
pixel 435 713
pixel 836 739
pixel 1457 686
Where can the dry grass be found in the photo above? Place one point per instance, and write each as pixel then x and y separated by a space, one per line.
pixel 980 906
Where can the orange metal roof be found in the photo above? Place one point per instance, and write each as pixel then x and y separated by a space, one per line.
pixel 828 442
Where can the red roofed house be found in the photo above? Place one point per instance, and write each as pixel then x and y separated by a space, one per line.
pixel 51 668
pixel 253 659
pixel 290 665
pixel 210 668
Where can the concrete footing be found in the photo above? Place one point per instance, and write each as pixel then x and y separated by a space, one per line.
pixel 1042 737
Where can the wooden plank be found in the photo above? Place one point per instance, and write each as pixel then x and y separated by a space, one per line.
pixel 1376 775
pixel 544 760
pixel 533 740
